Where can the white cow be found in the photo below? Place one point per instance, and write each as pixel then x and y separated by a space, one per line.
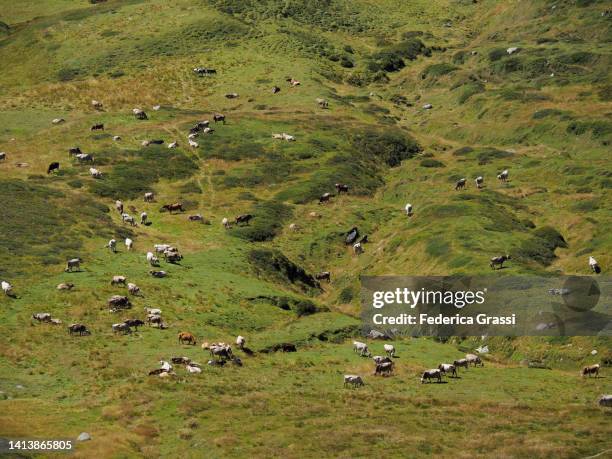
pixel 6 287
pixel 152 259
pixel 361 349
pixel 408 209
pixel 173 145
pixel 193 144
pixel 112 244
pixel 143 218
pixel 129 243
pixel 358 248
pixel 240 341
pixel 353 380
pixel 594 265
pixel 225 222
pixel 193 368
pixel 165 365
pixel 95 173
pixel 389 349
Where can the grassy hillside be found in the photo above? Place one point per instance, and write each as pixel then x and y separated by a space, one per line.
pixel 543 112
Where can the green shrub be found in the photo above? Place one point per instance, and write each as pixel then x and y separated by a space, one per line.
pixel 470 90
pixel 438 70
pixel 428 162
pixel 273 265
pixel 389 147
pixel 267 222
pixel 541 246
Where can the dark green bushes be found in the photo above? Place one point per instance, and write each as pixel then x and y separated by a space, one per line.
pixel 541 246
pixel 274 265
pixel 267 222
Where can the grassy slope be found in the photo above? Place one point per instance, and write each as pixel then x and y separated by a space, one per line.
pixel 135 53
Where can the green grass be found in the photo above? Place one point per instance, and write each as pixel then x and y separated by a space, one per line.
pixel 377 63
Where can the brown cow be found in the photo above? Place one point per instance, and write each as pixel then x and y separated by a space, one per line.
pixel 186 337
pixel 173 207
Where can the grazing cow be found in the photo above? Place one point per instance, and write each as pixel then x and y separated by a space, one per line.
pixel 186 337
pixel 293 83
pixel 201 71
pixel 65 286
pixel 154 311
pixel 605 400
pixel 240 342
pixel 96 104
pixel 408 210
pixel 275 89
pixel 173 257
pixel 157 141
pixel 479 181
pixel 139 114
pixel 119 302
pixel 175 207
pixel 196 218
pixel 173 145
pixel 461 363
pixel 594 265
pixel 220 350
pixel 503 175
pixel 54 166
pixel 181 360
pixel 161 248
pixel 448 368
pixel 226 223
pixel 244 218
pixel 325 197
pixel 143 218
pixel 384 369
pixel 97 127
pixel 191 368
pixel 119 206
pixel 460 184
pixel 95 173
pixel 341 188
pixel 58 120
pixel 156 107
pixel 152 259
pixel 116 138
pixel 2 156
pixel 78 328
pixel 74 263
pixel 155 319
pixel 219 117
pixel 112 245
pixel 389 349
pixel 358 248
pixel 129 244
pixel 74 151
pixel 133 288
pixel 231 95
pixel 193 144
pixel 434 373
pixel 380 359
pixel 165 366
pixel 352 235
pixel 158 274
pixel 499 261
pixel 323 275
pixel 85 157
pixel 364 239
pixel 361 349
pixel 127 218
pixel 294 227
pixel 591 370
pixel 122 327
pixel 149 196
pixel 322 102
pixel 134 323
pixel 353 380
pixel 42 317
pixel 474 359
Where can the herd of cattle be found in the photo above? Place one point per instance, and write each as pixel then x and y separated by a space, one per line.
pixel 222 353
pixel 384 365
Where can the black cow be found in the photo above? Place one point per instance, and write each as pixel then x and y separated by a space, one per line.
pixel 245 218
pixel 54 166
pixel 97 127
pixel 219 117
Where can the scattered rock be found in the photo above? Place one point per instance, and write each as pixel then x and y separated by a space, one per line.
pixel 427 106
